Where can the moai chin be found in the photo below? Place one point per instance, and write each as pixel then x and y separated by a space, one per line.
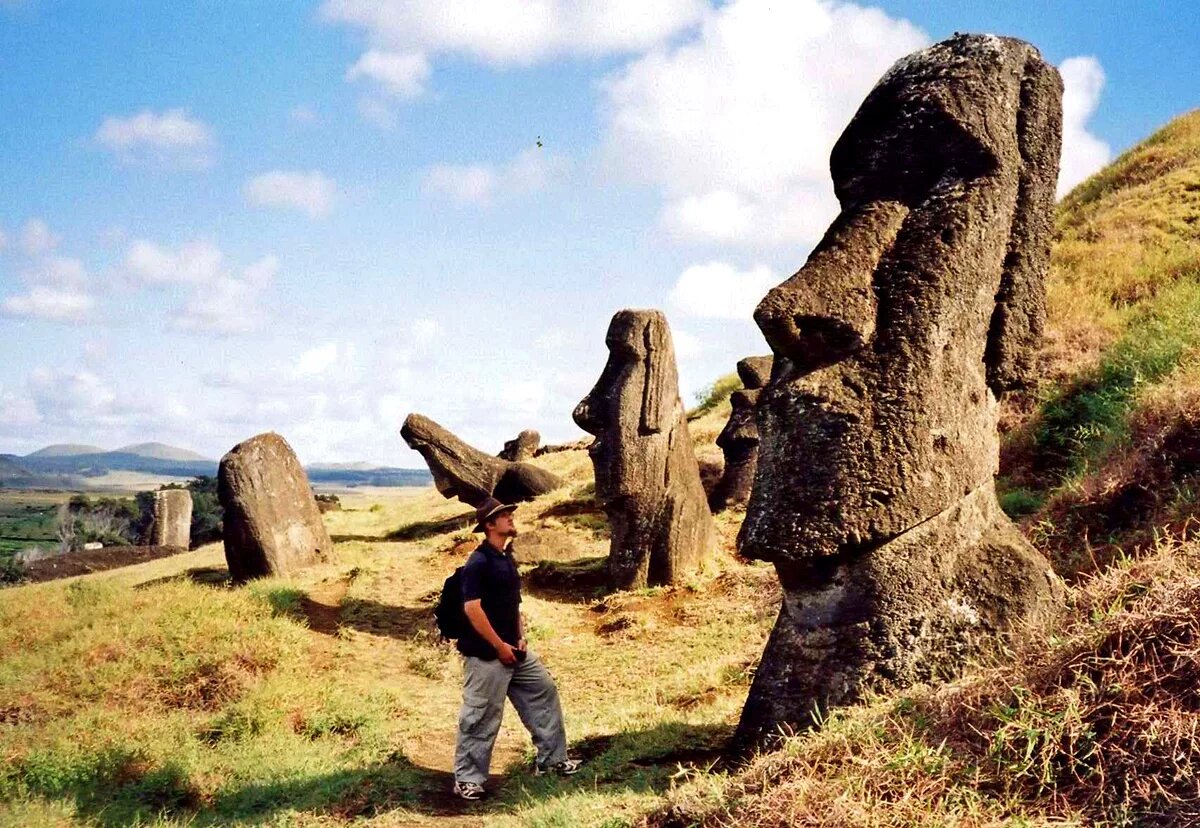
pixel 739 439
pixel 874 494
pixel 647 476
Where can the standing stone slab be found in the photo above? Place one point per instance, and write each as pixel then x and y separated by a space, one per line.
pixel 463 471
pixel 874 494
pixel 647 476
pixel 739 439
pixel 172 524
pixel 272 523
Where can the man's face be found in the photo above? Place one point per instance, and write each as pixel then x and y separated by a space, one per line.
pixel 503 525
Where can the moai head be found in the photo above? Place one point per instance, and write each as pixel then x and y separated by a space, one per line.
pixel 633 407
pixel 740 434
pixel 923 303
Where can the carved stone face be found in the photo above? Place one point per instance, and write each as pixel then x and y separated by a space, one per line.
pixel 632 407
pixel 917 309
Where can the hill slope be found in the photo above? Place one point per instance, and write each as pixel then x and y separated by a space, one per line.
pixel 161 451
pixel 65 450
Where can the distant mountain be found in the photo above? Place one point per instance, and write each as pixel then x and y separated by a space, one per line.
pixel 66 450
pixel 161 451
pixel 10 467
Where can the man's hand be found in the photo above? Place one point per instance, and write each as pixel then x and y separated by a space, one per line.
pixel 523 645
pixel 507 657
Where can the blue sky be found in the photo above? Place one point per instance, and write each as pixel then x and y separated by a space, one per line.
pixel 315 217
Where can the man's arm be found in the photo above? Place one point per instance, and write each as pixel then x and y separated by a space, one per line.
pixel 479 620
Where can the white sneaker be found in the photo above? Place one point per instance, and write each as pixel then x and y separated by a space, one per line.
pixel 566 767
pixel 469 791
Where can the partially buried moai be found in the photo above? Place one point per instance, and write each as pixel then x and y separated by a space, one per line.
pixel 739 439
pixel 874 493
pixel 172 519
pixel 272 525
pixel 646 471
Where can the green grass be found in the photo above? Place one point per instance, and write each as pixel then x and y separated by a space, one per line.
pixel 28 519
pixel 708 399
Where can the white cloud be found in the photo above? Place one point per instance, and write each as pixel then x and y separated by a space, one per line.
pixel 423 331
pixel 309 192
pixel 316 361
pixel 57 290
pixel 515 32
pixel 736 125
pixel 37 238
pixel 172 137
pixel 54 304
pixel 195 263
pixel 687 346
pixel 221 300
pixel 229 305
pixel 528 172
pixel 1082 152
pixel 400 74
pixel 718 290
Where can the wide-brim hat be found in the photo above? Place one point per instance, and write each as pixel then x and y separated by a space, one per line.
pixel 488 510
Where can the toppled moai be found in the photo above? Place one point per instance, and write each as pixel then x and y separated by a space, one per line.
pixel 646 471
pixel 272 523
pixel 171 524
pixel 523 447
pixel 874 494
pixel 739 439
pixel 471 475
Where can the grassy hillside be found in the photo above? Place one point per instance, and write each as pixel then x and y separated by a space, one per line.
pixel 1104 455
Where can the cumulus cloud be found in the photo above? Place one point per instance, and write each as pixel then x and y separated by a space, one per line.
pixel 57 289
pixel 528 172
pixel 736 124
pixel 317 361
pixel 515 32
pixel 1082 153
pixel 718 290
pixel 398 73
pixel 222 300
pixel 37 238
pixel 171 137
pixel 309 192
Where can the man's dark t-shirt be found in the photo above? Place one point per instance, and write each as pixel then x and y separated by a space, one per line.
pixel 490 576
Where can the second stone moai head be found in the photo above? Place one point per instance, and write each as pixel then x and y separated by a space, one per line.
pixel 634 406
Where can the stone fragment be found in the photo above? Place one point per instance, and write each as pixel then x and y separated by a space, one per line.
pixel 172 522
pixel 647 476
pixel 739 438
pixel 465 472
pixel 272 525
pixel 523 447
pixel 874 493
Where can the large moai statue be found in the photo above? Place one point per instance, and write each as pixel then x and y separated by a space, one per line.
pixel 471 475
pixel 646 471
pixel 172 519
pixel 739 439
pixel 874 495
pixel 272 523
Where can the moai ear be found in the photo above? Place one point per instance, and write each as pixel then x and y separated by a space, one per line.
pixel 1020 314
pixel 661 392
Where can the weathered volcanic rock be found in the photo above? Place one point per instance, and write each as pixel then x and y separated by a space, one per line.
pixel 523 447
pixel 874 494
pixel 646 471
pixel 172 522
pixel 739 438
pixel 465 472
pixel 272 525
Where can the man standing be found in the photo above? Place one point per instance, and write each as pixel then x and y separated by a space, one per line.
pixel 498 664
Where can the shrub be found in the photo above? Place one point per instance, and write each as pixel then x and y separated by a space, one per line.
pixel 714 395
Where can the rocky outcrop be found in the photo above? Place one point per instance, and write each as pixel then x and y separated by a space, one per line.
pixel 471 475
pixel 646 471
pixel 172 521
pixel 523 447
pixel 739 439
pixel 272 525
pixel 874 493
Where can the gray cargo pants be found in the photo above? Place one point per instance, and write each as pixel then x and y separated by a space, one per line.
pixel 485 684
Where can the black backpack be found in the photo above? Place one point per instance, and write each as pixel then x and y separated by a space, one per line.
pixel 451 619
